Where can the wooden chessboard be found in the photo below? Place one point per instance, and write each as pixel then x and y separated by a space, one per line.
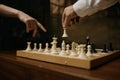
pixel 96 60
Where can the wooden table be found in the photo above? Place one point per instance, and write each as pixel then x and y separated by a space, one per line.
pixel 17 68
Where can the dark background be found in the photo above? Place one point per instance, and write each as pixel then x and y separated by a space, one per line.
pixel 103 27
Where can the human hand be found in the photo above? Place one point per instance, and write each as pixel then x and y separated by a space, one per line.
pixel 69 17
pixel 31 23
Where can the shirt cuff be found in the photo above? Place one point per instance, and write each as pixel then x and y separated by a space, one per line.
pixel 81 6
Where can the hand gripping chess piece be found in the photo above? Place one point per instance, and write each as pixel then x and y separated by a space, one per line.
pixel 65 32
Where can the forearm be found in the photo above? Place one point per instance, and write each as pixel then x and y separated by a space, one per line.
pixel 8 11
pixel 89 7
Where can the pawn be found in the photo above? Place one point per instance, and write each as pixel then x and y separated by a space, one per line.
pixel 89 50
pixel 65 32
pixel 40 48
pixel 35 47
pixel 46 48
pixel 28 46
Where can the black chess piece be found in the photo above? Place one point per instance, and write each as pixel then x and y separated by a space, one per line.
pixel 93 48
pixel 104 49
pixel 87 42
pixel 110 48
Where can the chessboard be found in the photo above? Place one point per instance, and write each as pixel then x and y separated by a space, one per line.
pixel 77 56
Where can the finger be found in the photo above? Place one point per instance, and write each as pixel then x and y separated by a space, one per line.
pixel 63 19
pixel 28 26
pixel 34 25
pixel 34 32
pixel 67 21
pixel 41 26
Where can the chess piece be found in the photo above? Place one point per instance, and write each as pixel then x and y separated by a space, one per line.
pixel 82 54
pixel 54 46
pixel 73 50
pixel 65 32
pixel 40 48
pixel 46 48
pixel 110 47
pixel 68 49
pixel 89 50
pixel 35 47
pixel 93 46
pixel 78 49
pixel 28 46
pixel 104 49
pixel 87 43
pixel 63 52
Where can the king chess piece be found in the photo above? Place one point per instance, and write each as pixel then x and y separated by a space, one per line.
pixel 65 32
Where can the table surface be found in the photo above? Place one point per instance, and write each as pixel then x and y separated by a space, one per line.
pixel 108 71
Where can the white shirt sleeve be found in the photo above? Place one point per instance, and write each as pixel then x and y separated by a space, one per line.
pixel 88 7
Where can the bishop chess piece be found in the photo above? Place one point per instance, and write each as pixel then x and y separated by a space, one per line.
pixel 63 52
pixel 65 32
pixel 28 46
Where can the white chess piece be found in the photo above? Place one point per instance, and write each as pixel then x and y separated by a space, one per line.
pixel 78 49
pixel 63 52
pixel 28 46
pixel 46 48
pixel 73 50
pixel 67 49
pixel 54 46
pixel 65 32
pixel 82 54
pixel 35 47
pixel 89 50
pixel 40 48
